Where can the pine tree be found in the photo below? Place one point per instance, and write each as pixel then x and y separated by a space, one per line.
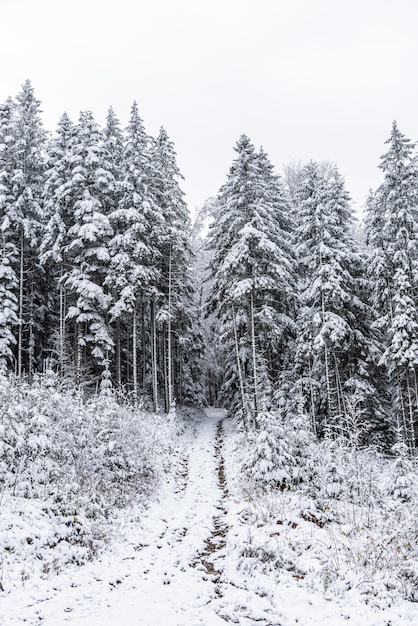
pixel 9 284
pixel 177 314
pixel 392 218
pixel 8 306
pixel 270 463
pixel 59 214
pixel 25 216
pixel 253 290
pixel 336 350
pixel 277 304
pixel 112 157
pixel 133 268
pixel 90 190
pixel 113 144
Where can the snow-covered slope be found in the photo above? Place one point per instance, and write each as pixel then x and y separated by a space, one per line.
pixel 205 553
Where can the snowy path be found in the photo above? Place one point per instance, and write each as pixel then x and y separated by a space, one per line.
pixel 164 574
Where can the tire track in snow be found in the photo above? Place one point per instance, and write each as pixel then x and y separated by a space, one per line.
pixel 182 475
pixel 215 545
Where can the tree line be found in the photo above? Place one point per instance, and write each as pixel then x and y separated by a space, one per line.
pixel 95 255
pixel 300 312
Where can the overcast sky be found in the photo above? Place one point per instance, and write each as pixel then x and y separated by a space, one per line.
pixel 306 79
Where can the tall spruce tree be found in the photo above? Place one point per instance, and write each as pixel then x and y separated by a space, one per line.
pixel 252 292
pixel 9 283
pixel 25 216
pixel 113 144
pixel 391 227
pixel 90 189
pixel 336 351
pixel 278 303
pixel 177 316
pixel 59 215
pixel 133 267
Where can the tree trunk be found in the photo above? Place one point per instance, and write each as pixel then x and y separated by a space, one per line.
pixel 144 344
pixel 78 354
pixel 416 392
pixel 20 333
pixel 327 375
pixel 254 357
pixel 128 357
pixel 339 391
pixel 62 328
pixel 154 357
pixel 240 375
pixel 31 339
pixel 312 398
pixel 117 353
pixel 134 360
pixel 411 418
pixel 165 368
pixel 169 348
pixel 402 407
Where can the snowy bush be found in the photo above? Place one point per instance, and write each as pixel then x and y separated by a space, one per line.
pixel 298 432
pixel 346 522
pixel 70 463
pixel 269 460
pixel 281 453
pixel 404 477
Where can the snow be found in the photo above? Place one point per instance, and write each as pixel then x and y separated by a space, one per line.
pixel 203 553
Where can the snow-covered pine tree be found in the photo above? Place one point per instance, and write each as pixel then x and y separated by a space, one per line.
pixel 177 314
pixel 252 292
pixel 8 306
pixel 113 145
pixel 377 260
pixel 336 350
pixel 25 216
pixel 276 294
pixel 232 317
pixel 9 284
pixel 392 219
pixel 59 215
pixel 133 255
pixel 270 463
pixel 91 190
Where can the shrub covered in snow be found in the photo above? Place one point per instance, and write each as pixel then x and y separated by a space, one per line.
pixel 269 461
pixel 66 465
pixel 344 516
pixel 279 453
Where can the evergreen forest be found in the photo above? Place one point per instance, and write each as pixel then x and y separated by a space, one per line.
pixel 287 306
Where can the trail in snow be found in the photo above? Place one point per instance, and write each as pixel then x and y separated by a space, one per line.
pixel 214 552
pixel 165 573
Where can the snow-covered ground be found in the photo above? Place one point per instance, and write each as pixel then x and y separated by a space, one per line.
pixel 201 555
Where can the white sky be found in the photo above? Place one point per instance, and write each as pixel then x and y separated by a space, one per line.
pixel 307 79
